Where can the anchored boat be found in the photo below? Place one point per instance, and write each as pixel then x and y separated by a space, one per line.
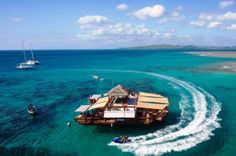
pixel 33 61
pixel 28 64
pixel 123 106
pixel 31 109
pixel 24 66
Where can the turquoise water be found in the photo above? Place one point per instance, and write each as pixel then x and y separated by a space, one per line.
pixel 202 103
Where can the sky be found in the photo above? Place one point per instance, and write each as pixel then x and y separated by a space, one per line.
pixel 106 24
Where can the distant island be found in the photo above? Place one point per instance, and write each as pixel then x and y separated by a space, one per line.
pixel 182 47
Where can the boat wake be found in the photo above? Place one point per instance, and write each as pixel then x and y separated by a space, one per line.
pixel 194 127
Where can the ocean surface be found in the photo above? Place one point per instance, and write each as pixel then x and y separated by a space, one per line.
pixel 201 118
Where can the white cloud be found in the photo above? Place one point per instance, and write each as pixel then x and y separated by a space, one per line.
pixel 122 32
pixel 206 16
pixel 169 33
pixel 91 19
pixel 173 16
pixel 214 24
pixel 198 23
pixel 118 29
pixel 16 19
pixel 150 12
pixel 232 27
pixel 211 20
pixel 223 17
pixel 122 7
pixel 227 16
pixel 156 34
pixel 226 3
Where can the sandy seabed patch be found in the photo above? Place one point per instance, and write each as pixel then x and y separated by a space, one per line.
pixel 215 54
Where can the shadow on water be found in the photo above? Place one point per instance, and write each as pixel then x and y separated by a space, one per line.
pixel 14 81
pixel 133 130
pixel 224 88
pixel 78 89
pixel 25 150
pixel 7 81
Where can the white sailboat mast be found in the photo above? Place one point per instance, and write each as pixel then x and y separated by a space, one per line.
pixel 23 50
pixel 32 53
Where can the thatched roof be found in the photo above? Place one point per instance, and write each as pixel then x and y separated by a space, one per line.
pixel 101 103
pixel 162 100
pixel 149 95
pixel 82 108
pixel 152 101
pixel 119 90
pixel 145 105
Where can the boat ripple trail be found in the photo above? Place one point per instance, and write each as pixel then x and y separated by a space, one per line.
pixel 181 136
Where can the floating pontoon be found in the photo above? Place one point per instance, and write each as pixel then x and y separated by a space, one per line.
pixel 122 106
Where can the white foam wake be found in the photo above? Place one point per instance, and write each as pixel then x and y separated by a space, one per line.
pixel 180 136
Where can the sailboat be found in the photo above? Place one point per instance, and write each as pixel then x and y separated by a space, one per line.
pixel 24 65
pixel 33 61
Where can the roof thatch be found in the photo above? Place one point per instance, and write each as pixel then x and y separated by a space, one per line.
pixel 162 100
pixel 101 103
pixel 149 95
pixel 82 108
pixel 144 105
pixel 119 90
pixel 152 101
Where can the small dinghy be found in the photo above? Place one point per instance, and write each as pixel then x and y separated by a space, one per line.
pixel 31 109
pixel 96 77
pixel 121 140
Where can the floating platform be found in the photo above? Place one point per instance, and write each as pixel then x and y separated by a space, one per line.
pixel 122 106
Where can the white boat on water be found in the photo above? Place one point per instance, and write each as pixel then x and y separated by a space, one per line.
pixel 31 109
pixel 24 66
pixel 95 77
pixel 33 61
pixel 28 64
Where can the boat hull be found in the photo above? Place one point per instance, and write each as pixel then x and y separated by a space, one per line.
pixel 31 113
pixel 24 66
pixel 32 110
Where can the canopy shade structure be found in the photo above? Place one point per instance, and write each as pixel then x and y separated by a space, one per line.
pixel 152 101
pixel 151 106
pixel 150 95
pixel 82 108
pixel 119 114
pixel 101 103
pixel 95 97
pixel 162 100
pixel 118 91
